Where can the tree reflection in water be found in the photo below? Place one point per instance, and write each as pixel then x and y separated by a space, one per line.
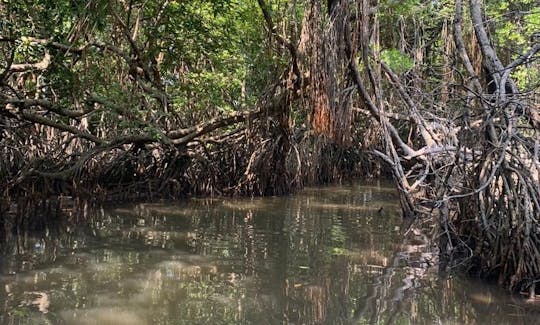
pixel 326 256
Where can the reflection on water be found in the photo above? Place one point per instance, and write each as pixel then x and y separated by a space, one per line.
pixel 332 255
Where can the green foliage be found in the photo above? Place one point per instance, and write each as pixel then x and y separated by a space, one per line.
pixel 402 8
pixel 514 24
pixel 207 47
pixel 532 21
pixel 396 60
pixel 206 56
pixel 513 21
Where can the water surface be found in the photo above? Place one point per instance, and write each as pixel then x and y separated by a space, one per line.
pixel 331 255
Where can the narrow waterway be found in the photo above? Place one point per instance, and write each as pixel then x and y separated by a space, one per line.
pixel 331 255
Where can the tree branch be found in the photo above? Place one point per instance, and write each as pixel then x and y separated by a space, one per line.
pixel 41 65
pixel 60 126
pixel 273 30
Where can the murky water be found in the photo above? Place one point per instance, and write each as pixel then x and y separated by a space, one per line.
pixel 332 255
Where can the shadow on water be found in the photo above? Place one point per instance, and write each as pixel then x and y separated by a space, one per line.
pixel 332 255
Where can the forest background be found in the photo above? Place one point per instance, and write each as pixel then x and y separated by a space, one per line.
pixel 129 99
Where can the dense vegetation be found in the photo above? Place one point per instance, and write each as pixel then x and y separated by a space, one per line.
pixel 122 99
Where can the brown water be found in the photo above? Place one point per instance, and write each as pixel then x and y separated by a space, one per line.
pixel 326 256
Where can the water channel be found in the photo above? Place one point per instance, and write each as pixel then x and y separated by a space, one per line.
pixel 329 255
